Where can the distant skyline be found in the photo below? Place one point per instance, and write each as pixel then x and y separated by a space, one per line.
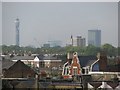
pixel 48 21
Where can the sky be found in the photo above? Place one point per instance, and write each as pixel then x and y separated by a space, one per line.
pixel 0 23
pixel 41 22
pixel 119 25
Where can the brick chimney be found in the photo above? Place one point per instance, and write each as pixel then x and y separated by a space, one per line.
pixel 102 61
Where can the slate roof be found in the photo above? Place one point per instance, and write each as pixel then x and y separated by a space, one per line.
pixel 47 57
pixel 23 58
pixel 40 57
pixel 87 60
pixel 5 57
pixel 50 57
pixel 6 64
pixel 19 70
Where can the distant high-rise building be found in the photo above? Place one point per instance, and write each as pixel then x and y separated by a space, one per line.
pixel 81 41
pixel 17 22
pixel 94 37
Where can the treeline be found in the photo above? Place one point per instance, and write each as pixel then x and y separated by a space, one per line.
pixel 88 50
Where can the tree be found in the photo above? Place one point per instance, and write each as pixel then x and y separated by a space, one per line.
pixel 92 50
pixel 118 50
pixel 88 50
pixel 109 50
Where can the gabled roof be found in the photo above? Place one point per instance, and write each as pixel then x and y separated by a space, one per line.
pixel 19 69
pixel 40 57
pixel 19 65
pixel 90 62
pixel 87 60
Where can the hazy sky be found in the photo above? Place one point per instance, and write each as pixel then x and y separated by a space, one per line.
pixel 0 23
pixel 45 21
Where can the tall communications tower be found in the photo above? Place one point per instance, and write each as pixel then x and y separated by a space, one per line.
pixel 17 22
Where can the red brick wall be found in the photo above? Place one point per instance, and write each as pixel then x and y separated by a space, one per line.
pixel 75 64
pixel 103 62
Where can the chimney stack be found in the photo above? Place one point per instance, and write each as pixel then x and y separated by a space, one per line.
pixel 102 61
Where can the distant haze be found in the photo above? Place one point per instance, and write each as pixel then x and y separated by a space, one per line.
pixel 0 24
pixel 47 21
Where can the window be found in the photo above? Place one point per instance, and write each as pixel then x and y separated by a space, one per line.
pixel 42 65
pixel 75 71
pixel 66 71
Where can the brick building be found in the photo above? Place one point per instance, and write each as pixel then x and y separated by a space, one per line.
pixel 19 70
pixel 71 67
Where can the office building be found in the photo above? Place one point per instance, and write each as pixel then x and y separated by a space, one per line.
pixel 94 37
pixel 81 41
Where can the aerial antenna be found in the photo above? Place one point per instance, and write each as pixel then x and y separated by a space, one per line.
pixel 17 28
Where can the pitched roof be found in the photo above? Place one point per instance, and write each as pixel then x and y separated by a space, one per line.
pixel 23 58
pixel 20 65
pixel 19 69
pixel 40 57
pixel 90 62
pixel 49 57
pixel 86 60
pixel 6 64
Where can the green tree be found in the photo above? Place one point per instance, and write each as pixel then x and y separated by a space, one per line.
pixel 109 50
pixel 92 50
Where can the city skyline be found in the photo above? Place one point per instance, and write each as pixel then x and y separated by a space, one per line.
pixel 43 22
